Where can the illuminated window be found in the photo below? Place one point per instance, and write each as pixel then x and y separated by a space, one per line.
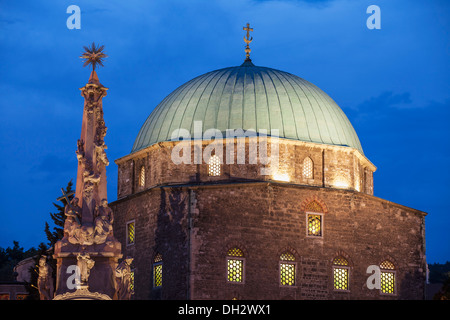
pixel 131 233
pixel 314 219
pixel 235 265
pixel 308 168
pixel 142 177
pixel 157 270
pixel 387 277
pixel 287 269
pixel 214 166
pixel 314 225
pixel 132 281
pixel 340 273
pixel 21 296
pixel 4 296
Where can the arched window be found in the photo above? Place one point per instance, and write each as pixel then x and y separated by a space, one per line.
pixel 387 275
pixel 314 219
pixel 157 270
pixel 340 273
pixel 308 168
pixel 214 166
pixel 287 269
pixel 235 265
pixel 142 177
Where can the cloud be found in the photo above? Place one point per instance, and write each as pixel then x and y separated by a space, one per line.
pixel 385 100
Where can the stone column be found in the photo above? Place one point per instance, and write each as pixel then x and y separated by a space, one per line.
pixel 88 226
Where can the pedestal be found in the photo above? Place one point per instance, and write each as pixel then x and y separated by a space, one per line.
pixel 101 282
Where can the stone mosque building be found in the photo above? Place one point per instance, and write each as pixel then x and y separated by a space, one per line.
pixel 300 223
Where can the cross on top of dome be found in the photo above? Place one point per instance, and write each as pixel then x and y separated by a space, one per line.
pixel 247 40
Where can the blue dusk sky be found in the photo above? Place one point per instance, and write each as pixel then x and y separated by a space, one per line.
pixel 393 83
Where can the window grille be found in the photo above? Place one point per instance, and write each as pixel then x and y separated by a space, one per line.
pixel 387 276
pixel 235 265
pixel 314 206
pixel 132 280
pixel 287 269
pixel 308 168
pixel 340 274
pixel 142 177
pixel 315 225
pixel 214 166
pixel 157 270
pixel 130 233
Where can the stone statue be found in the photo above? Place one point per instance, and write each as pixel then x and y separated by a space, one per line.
pixel 123 279
pixel 101 154
pixel 72 225
pixel 80 149
pixel 76 233
pixel 45 281
pixel 85 264
pixel 103 223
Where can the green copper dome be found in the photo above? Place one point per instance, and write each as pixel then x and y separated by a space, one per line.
pixel 250 97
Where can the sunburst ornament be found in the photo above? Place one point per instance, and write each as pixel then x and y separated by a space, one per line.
pixel 93 55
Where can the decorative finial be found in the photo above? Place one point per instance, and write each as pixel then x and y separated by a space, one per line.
pixel 247 40
pixel 93 55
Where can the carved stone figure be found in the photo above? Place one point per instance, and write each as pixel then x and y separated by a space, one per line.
pixel 45 281
pixel 80 149
pixel 91 179
pixel 72 225
pixel 100 152
pixel 103 224
pixel 85 264
pixel 123 279
pixel 76 233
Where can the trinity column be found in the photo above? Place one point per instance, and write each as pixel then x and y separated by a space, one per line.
pixel 88 254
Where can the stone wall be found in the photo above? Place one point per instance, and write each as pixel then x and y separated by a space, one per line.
pixel 264 219
pixel 334 166
pixel 160 227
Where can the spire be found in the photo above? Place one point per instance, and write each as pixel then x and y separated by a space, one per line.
pixel 93 79
pixel 88 239
pixel 247 40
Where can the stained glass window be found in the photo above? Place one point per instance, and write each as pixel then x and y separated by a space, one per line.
pixel 157 270
pixel 387 276
pixel 287 270
pixel 308 171
pixel 235 265
pixel 214 166
pixel 340 273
